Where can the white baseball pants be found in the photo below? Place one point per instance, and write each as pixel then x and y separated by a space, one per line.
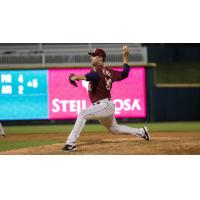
pixel 104 112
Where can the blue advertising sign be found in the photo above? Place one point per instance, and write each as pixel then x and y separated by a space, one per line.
pixel 23 94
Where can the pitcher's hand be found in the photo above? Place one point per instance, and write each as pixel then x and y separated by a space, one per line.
pixel 125 53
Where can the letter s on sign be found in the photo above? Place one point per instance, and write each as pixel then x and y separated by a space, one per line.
pixel 56 107
pixel 127 105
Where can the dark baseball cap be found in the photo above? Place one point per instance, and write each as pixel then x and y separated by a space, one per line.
pixel 98 52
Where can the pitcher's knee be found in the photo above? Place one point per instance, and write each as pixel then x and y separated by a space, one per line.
pixel 114 130
pixel 83 114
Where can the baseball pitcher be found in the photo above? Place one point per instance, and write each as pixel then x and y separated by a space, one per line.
pixel 100 80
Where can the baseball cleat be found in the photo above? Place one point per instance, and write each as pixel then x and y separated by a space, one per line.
pixel 69 148
pixel 146 134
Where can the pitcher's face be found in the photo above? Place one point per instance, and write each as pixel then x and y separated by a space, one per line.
pixel 96 60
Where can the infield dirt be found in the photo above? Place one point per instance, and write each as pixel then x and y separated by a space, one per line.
pixel 162 143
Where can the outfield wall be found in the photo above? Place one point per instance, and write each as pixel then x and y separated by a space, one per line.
pixel 45 94
pixel 175 103
pixel 171 102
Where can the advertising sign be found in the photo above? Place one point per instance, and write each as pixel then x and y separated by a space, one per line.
pixel 23 94
pixel 65 101
pixel 47 94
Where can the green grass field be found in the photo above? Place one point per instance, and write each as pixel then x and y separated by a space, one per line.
pixel 6 144
pixel 164 126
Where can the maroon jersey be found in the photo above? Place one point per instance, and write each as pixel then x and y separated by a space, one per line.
pixel 100 82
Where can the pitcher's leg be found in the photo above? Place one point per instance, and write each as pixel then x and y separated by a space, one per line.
pixel 93 112
pixel 78 127
pixel 111 124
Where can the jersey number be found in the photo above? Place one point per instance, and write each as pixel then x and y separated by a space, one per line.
pixel 108 79
pixel 108 83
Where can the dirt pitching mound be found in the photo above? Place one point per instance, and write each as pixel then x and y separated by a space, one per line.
pixel 164 143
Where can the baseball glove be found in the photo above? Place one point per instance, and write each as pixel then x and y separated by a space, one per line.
pixel 71 81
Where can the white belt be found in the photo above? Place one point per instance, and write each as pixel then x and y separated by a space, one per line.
pixel 101 101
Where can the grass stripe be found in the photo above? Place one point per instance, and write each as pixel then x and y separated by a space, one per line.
pixel 165 126
pixel 9 145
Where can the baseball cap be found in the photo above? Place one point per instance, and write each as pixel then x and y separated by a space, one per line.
pixel 98 52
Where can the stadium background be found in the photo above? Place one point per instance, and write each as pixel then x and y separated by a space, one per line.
pixel 172 93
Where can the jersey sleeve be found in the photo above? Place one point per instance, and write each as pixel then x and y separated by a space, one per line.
pixel 116 75
pixel 92 76
pixel 120 75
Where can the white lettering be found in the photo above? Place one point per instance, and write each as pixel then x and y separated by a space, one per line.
pixel 64 105
pixel 78 106
pixel 21 78
pixel 6 78
pixel 6 89
pixel 136 104
pixel 126 105
pixel 119 104
pixel 75 106
pixel 55 103
pixel 68 105
pixel 20 89
pixel 72 106
pixel 35 83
